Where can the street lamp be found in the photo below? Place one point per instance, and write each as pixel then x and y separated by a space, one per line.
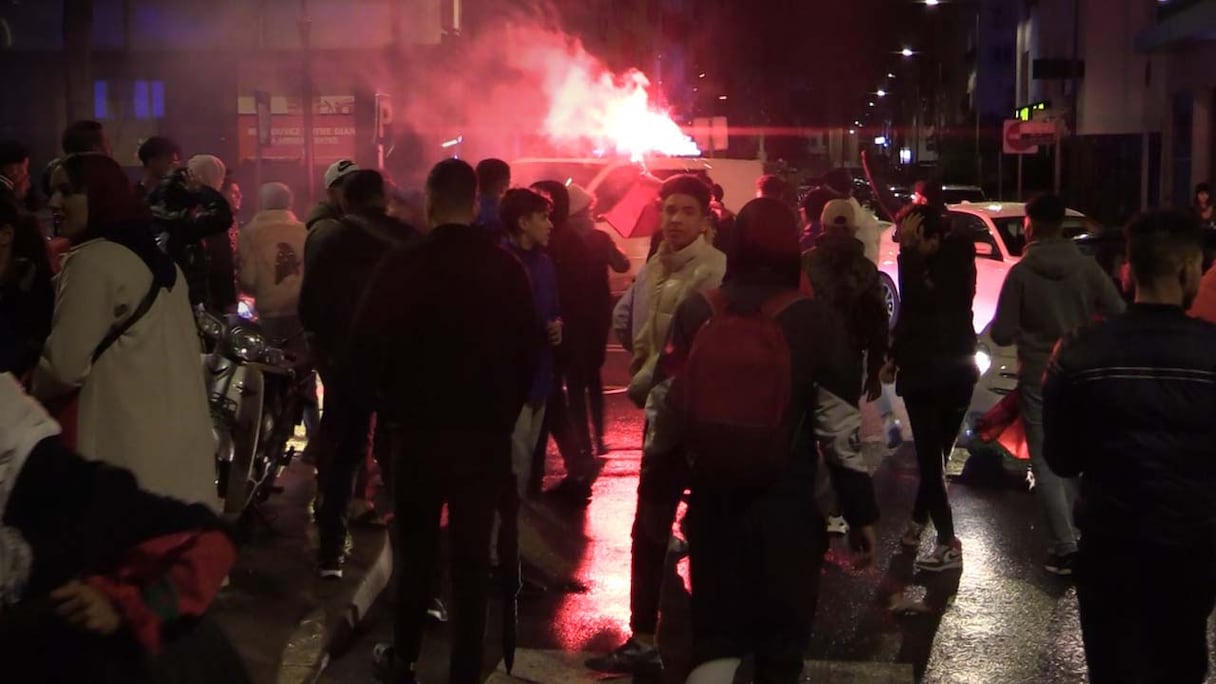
pixel 881 93
pixel 907 52
pixel 932 3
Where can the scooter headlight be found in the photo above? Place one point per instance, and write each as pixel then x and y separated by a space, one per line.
pixel 211 327
pixel 983 360
pixel 247 344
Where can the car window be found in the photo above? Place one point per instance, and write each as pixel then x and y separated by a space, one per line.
pixel 960 195
pixel 1013 231
pixel 614 187
pixel 975 227
pixel 524 174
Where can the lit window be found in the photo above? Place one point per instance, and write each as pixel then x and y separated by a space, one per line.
pixel 158 99
pixel 142 108
pixel 101 102
pixel 149 99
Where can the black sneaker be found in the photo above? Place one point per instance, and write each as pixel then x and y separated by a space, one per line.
pixel 386 669
pixel 1061 564
pixel 571 492
pixel 631 658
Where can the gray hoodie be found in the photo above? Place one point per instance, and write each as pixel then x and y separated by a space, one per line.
pixel 1053 289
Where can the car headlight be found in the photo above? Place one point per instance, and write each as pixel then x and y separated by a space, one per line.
pixel 211 327
pixel 983 361
pixel 247 344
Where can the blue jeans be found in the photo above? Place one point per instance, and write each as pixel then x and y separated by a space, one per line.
pixel 1057 494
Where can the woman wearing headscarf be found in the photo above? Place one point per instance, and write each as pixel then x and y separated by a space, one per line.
pixel 123 338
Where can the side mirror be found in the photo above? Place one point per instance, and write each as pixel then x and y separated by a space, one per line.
pixel 985 249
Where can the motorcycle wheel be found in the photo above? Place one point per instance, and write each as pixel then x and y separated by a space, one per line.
pixel 236 481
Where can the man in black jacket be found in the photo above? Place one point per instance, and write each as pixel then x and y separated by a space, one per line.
pixel 934 351
pixel 338 266
pixel 185 214
pixel 447 340
pixel 1128 406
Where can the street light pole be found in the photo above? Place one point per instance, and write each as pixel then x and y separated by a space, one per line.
pixel 305 24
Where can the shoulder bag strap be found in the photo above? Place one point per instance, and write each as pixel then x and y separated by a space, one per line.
pixel 121 329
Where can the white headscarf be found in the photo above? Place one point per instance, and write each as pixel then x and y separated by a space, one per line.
pixel 23 424
pixel 208 169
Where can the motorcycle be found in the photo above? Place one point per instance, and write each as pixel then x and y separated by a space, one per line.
pixel 256 394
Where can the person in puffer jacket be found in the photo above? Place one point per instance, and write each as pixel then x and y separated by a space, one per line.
pixel 686 263
pixel 189 211
pixel 1052 290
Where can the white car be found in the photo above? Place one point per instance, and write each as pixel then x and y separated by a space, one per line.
pixel 624 190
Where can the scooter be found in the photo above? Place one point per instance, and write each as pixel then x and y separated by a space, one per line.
pixel 255 392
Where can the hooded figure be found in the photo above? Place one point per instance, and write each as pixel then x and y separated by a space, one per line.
pixel 774 531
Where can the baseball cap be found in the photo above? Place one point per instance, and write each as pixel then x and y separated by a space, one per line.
pixel 838 213
pixel 339 170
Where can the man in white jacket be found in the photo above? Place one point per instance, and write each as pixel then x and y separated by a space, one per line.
pixel 685 265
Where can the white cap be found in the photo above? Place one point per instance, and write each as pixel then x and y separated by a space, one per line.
pixel 339 170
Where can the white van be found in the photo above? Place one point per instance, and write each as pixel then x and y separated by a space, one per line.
pixel 623 189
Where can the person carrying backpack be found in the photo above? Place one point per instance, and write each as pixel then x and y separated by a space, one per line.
pixel 754 376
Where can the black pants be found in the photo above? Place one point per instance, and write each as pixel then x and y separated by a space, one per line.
pixel 345 427
pixel 661 483
pixel 585 387
pixel 569 428
pixel 1144 611
pixel 754 566
pixel 936 415
pixel 426 479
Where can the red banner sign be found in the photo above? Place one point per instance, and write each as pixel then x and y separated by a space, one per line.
pixel 333 138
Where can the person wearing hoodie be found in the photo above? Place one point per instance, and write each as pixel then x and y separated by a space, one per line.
pixel 271 256
pixel 1052 290
pixel 339 265
pixel 123 338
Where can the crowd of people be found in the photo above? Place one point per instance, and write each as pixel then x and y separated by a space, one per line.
pixel 456 330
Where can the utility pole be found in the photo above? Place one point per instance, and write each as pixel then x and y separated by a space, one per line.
pixel 308 97
pixel 77 77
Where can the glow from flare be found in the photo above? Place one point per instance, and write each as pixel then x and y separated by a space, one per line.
pixel 589 107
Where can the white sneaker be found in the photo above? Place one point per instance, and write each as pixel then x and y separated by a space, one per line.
pixel 837 525
pixel 944 557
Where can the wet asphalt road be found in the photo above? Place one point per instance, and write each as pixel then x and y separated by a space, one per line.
pixel 1001 620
